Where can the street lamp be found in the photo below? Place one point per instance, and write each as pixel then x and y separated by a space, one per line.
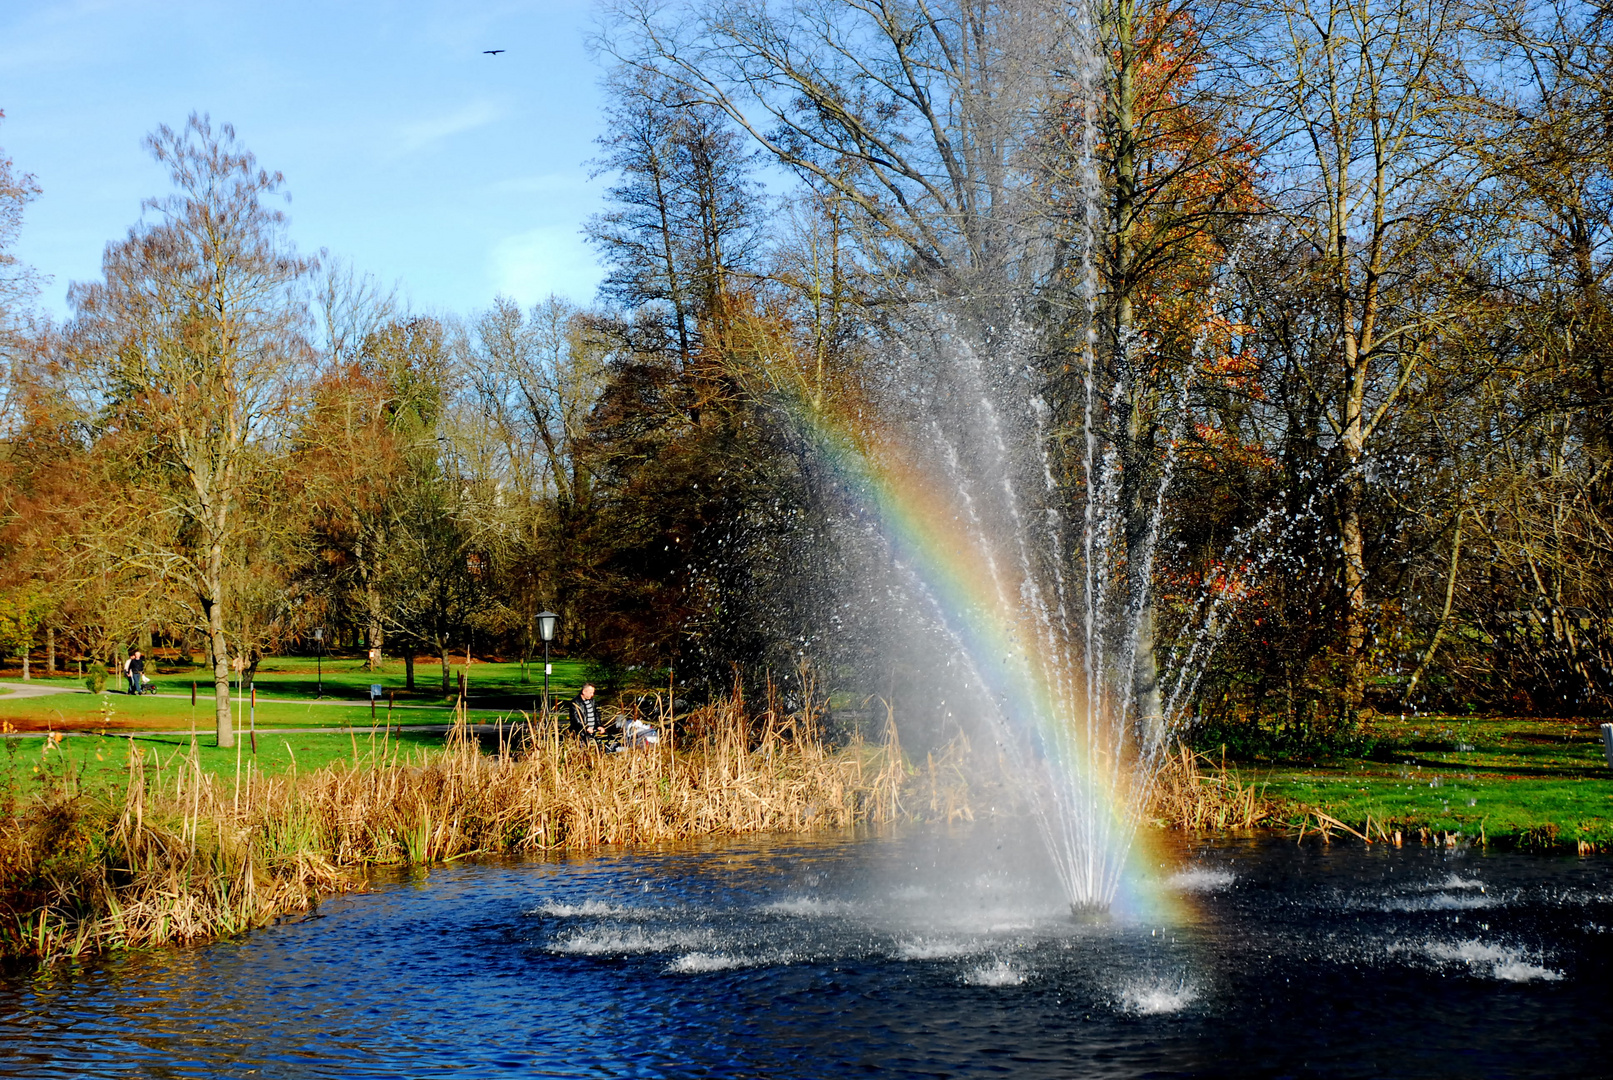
pixel 319 661
pixel 546 625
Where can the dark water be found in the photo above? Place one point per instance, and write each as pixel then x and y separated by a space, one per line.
pixel 931 954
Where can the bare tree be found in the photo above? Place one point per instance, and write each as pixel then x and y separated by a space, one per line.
pixel 1361 103
pixel 18 283
pixel 538 375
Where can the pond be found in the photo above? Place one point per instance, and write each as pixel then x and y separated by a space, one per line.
pixel 920 953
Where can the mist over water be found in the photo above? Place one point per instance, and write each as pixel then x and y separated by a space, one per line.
pixel 919 953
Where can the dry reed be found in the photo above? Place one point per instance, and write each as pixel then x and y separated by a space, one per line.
pixel 1197 794
pixel 183 855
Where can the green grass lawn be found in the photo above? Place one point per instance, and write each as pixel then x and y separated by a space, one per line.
pixel 120 711
pixel 345 677
pixel 499 685
pixel 1503 778
pixel 286 689
pixel 102 761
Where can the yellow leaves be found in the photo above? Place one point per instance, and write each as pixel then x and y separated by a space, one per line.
pixel 1214 448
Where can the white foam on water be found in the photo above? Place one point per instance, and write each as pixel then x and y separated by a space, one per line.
pixel 807 907
pixel 1200 879
pixel 996 973
pixel 1496 961
pixel 702 963
pixel 1155 999
pixel 1518 971
pixel 1439 902
pixel 1454 881
pixel 919 949
pixel 586 909
pixel 1470 951
pixel 619 942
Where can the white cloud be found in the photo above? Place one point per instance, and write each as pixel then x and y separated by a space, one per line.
pixel 530 265
pixel 421 133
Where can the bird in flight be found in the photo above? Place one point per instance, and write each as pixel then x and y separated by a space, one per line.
pixel 491 52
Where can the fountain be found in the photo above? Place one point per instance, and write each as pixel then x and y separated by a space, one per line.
pixel 1031 598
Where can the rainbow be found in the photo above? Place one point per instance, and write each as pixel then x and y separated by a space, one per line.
pixel 935 536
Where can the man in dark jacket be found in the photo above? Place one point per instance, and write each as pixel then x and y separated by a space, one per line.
pixel 134 671
pixel 586 722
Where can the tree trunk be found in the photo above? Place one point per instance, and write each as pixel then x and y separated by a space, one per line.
pixel 1135 455
pixel 375 633
pixel 408 669
pixel 1353 548
pixel 219 646
pixel 50 652
pixel 442 652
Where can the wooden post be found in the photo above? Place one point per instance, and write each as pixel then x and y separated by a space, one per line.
pixel 50 652
pixel 1607 743
pixel 193 693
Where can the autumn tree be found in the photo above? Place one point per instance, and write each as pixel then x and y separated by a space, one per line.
pixel 194 337
pixel 1151 182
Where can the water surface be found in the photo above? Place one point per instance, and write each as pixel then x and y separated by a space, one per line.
pixel 929 954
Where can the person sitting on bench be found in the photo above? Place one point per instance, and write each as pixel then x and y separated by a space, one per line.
pixel 586 723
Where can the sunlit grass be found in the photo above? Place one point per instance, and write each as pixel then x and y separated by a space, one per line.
pixel 1518 780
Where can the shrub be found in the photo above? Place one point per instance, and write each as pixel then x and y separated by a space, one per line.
pixel 95 678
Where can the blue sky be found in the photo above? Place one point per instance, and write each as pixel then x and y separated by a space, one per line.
pixel 456 175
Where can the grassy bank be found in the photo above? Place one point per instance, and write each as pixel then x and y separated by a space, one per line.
pixel 186 848
pixel 1527 782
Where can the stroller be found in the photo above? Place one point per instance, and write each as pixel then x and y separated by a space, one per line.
pixel 624 733
pixel 636 733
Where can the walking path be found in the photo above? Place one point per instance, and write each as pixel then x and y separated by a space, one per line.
pixel 33 689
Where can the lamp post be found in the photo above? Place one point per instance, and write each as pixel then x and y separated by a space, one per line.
pixel 546 625
pixel 319 661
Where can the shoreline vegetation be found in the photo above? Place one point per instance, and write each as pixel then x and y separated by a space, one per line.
pixel 179 852
pixel 182 855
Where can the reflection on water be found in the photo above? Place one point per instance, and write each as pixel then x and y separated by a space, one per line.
pixel 926 954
